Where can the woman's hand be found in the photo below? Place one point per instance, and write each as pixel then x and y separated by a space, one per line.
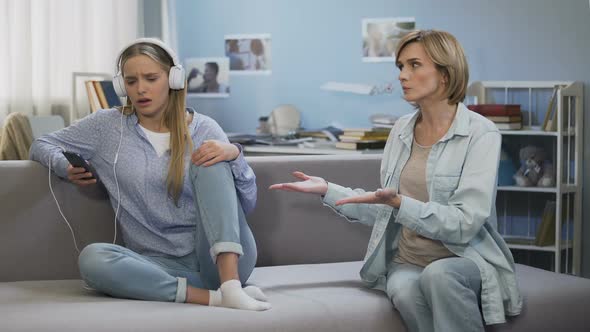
pixel 79 176
pixel 310 184
pixel 211 152
pixel 386 196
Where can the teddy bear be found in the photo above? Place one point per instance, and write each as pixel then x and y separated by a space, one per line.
pixel 535 169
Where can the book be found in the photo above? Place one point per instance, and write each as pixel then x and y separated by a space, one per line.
pixel 92 96
pixel 100 93
pixel 508 125
pixel 550 120
pixel 355 138
pixel 382 125
pixel 330 133
pixel 496 109
pixel 366 132
pixel 505 118
pixel 546 231
pixel 112 98
pixel 361 145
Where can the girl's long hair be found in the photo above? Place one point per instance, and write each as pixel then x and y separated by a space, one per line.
pixel 174 116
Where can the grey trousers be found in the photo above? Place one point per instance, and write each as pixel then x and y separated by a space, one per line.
pixel 443 296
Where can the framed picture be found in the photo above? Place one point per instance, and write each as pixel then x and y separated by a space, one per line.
pixel 381 36
pixel 249 54
pixel 207 77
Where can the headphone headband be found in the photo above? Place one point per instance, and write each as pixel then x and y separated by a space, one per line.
pixel 153 41
pixel 176 76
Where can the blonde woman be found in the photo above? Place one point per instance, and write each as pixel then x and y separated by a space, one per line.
pixel 180 190
pixel 434 248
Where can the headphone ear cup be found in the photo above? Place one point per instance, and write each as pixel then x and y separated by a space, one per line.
pixel 176 78
pixel 119 85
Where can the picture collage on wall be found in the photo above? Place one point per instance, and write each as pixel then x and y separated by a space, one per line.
pixel 381 36
pixel 208 77
pixel 250 54
pixel 245 54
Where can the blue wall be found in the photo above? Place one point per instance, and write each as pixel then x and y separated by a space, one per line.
pixel 315 41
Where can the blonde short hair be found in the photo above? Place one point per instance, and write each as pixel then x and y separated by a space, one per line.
pixel 448 56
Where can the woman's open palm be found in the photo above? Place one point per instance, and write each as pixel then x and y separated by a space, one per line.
pixel 308 184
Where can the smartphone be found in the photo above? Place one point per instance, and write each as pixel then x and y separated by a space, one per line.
pixel 77 161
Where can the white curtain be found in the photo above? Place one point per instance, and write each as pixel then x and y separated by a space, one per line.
pixel 169 35
pixel 42 42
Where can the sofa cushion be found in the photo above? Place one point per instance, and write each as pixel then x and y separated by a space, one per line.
pixel 552 302
pixel 316 297
pixel 312 297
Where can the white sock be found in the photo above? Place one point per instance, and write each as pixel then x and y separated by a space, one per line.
pixel 231 295
pixel 214 298
pixel 255 293
pixel 252 291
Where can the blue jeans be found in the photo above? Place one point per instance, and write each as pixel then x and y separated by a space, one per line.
pixel 443 296
pixel 221 226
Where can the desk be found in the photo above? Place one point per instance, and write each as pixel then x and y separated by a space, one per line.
pixel 270 150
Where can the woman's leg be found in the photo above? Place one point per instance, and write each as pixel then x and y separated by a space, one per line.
pixel 123 273
pixel 221 224
pixel 452 288
pixel 403 290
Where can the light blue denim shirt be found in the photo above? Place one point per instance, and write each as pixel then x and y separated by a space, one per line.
pixel 150 222
pixel 461 173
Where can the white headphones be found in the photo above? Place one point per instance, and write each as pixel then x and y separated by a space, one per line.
pixel 176 76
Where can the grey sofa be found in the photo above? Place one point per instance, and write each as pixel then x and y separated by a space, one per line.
pixel 309 260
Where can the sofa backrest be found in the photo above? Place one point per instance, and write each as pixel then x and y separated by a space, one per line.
pixel 290 228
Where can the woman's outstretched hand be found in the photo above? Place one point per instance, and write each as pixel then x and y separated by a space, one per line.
pixel 308 184
pixel 386 196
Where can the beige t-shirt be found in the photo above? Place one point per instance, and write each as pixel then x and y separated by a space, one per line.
pixel 414 248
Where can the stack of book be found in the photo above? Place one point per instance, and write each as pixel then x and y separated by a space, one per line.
pixel 327 133
pixel 363 138
pixel 505 116
pixel 101 95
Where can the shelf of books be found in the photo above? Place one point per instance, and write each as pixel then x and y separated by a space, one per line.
pixel 539 180
pixel 100 94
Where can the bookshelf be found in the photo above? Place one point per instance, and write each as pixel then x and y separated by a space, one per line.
pixel 521 209
pixel 77 78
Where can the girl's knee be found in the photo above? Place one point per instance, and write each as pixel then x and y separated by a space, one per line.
pixel 216 169
pixel 92 259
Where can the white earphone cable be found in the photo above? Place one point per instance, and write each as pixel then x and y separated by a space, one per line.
pixel 116 183
pixel 59 209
